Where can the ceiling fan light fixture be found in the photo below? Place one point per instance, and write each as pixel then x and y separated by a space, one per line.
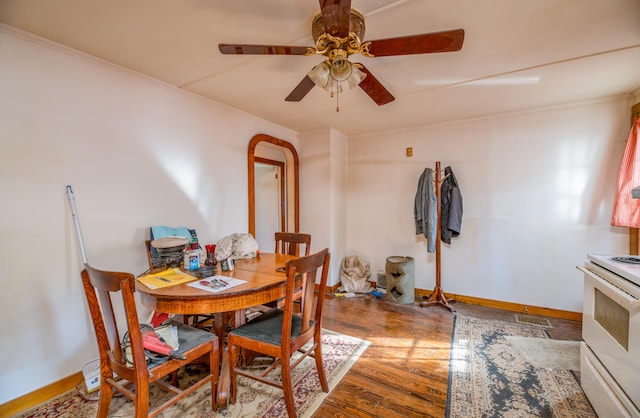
pixel 341 69
pixel 356 77
pixel 330 75
pixel 321 75
pixel 334 87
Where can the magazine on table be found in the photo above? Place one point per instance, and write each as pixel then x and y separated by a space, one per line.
pixel 216 283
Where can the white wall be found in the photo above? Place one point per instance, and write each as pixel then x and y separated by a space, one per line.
pixel 338 165
pixel 137 153
pixel 315 189
pixel 537 187
pixel 323 202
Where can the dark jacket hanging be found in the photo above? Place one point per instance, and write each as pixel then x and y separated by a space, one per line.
pixel 450 207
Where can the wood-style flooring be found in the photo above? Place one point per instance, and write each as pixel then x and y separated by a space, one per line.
pixel 404 372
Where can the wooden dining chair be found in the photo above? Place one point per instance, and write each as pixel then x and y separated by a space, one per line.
pixel 118 373
pixel 147 244
pixel 290 243
pixel 280 332
pixel 202 321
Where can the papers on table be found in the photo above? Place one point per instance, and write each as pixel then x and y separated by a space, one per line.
pixel 165 278
pixel 216 284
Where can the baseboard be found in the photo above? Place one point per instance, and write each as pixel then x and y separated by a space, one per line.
pixel 490 303
pixel 508 306
pixel 329 289
pixel 24 402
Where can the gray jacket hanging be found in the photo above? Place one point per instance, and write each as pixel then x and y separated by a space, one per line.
pixel 425 209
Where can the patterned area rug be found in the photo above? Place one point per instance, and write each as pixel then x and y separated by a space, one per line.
pixel 254 399
pixel 490 377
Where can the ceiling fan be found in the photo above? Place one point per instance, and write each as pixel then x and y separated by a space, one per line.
pixel 338 32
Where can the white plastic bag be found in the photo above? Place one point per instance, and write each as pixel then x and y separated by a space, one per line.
pixel 237 246
pixel 354 275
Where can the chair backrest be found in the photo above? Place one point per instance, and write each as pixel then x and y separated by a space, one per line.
pixel 301 280
pixel 99 287
pixel 290 242
pixel 147 244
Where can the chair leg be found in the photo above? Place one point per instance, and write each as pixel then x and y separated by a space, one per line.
pixel 175 381
pixel 106 393
pixel 232 351
pixel 214 369
pixel 142 400
pixel 287 387
pixel 320 366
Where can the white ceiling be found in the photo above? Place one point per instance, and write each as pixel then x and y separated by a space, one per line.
pixel 517 54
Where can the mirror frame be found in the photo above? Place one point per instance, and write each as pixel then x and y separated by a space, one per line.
pixel 255 141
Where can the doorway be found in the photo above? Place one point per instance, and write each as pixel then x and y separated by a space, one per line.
pixel 265 149
pixel 270 200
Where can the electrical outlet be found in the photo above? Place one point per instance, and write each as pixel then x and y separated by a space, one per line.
pixel 409 152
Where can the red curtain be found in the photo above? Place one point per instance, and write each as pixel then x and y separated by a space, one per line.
pixel 626 209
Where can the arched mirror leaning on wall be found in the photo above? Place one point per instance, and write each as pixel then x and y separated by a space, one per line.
pixel 272 155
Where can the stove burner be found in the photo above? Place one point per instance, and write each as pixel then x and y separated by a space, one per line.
pixel 628 260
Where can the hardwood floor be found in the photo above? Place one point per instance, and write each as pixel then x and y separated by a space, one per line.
pixel 404 372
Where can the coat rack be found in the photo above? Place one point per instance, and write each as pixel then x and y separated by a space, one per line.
pixel 438 296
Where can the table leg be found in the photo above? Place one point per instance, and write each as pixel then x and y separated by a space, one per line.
pixel 224 381
pixel 225 322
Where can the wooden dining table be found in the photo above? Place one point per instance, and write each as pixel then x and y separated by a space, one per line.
pixel 265 281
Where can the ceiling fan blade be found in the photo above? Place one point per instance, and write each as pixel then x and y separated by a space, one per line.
pixel 336 15
pixel 427 43
pixel 240 49
pixel 374 88
pixel 301 90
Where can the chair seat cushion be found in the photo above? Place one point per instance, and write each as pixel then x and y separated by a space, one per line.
pixel 268 327
pixel 188 336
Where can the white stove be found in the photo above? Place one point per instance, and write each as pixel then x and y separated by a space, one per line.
pixel 626 266
pixel 610 352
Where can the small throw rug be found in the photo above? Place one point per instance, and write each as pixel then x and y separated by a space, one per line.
pixel 546 353
pixel 254 399
pixel 491 375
